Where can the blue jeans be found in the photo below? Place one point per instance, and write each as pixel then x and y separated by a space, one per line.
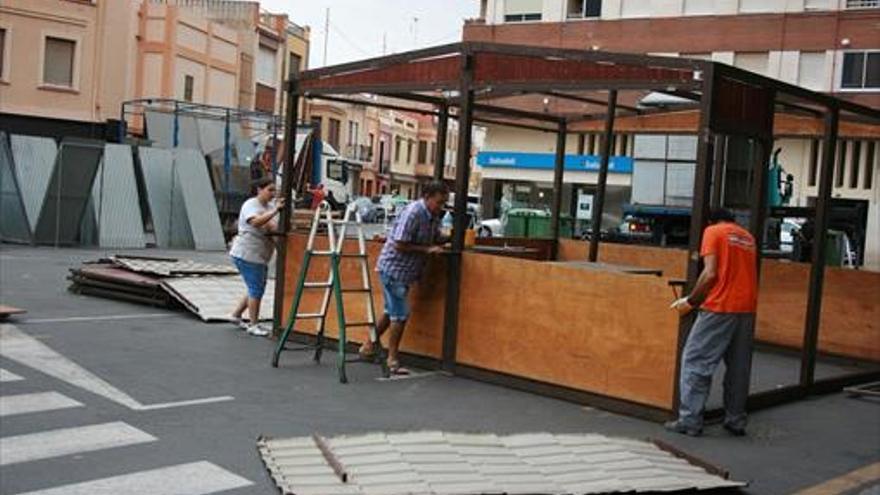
pixel 394 293
pixel 717 336
pixel 254 275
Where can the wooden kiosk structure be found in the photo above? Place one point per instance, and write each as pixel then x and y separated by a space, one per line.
pixel 581 331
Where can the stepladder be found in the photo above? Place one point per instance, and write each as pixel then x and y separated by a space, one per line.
pixel 331 286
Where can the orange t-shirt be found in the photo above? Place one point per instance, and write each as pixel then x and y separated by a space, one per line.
pixel 736 285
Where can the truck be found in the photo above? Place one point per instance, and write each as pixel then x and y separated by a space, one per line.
pixel 325 166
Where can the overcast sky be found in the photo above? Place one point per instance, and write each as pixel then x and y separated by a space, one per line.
pixel 357 26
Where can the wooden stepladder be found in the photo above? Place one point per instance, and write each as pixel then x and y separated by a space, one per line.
pixel 332 286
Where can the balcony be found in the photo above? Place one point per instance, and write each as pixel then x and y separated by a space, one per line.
pixel 359 152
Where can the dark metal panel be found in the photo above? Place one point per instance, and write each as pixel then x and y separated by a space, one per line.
pixel 460 218
pixel 69 191
pixel 440 147
pixel 13 220
pixel 521 114
pixel 817 270
pixel 584 99
pixel 517 125
pixel 742 109
pixel 558 171
pixel 436 73
pixel 586 85
pixel 384 61
pixel 287 184
pixel 501 67
pixel 599 203
pixel 375 104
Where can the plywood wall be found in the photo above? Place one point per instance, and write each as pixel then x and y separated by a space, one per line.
pixel 424 332
pixel 611 334
pixel 672 261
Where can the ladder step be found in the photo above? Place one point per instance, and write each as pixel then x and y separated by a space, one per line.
pixel 353 255
pixel 360 324
pixel 343 222
pixel 309 316
pixel 322 253
pixel 363 291
pixel 317 285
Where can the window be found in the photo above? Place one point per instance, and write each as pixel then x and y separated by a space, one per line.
pixel 353 131
pixel 409 153
pixel 862 4
pixel 423 152
pixel 870 156
pixel 333 126
pixel 811 71
pixel 2 51
pixel 188 83
pixel 266 67
pixel 523 10
pixel 295 61
pixel 841 163
pixel 861 70
pixel 397 141
pixel 433 154
pixel 855 163
pixel 581 9
pixel 318 123
pixel 813 171
pixel 58 62
pixel 817 4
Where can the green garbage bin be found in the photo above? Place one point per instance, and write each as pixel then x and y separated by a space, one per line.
pixel 519 222
pixel 835 245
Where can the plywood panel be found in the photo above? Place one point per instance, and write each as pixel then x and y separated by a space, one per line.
pixel 850 321
pixel 672 261
pixel 611 334
pixel 424 331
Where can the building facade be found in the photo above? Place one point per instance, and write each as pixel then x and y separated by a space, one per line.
pixel 831 46
pixel 92 55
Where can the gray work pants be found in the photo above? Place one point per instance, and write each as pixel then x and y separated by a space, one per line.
pixel 715 336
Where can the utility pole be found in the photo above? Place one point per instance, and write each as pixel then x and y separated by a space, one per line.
pixel 326 33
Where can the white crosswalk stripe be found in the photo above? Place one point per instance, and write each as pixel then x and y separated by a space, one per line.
pixel 67 441
pixel 8 376
pixel 32 403
pixel 197 478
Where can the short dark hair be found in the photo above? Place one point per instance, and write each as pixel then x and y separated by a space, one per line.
pixel 435 187
pixel 721 215
pixel 262 183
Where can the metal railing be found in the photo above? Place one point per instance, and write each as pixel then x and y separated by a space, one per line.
pixel 359 152
pixel 862 4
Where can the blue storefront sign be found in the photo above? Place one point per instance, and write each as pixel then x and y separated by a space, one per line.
pixel 545 161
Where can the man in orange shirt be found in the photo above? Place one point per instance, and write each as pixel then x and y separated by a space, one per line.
pixel 727 295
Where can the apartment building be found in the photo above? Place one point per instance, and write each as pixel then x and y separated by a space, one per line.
pixel 81 59
pixel 831 46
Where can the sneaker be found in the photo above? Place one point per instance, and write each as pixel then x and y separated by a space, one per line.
pixel 240 323
pixel 258 331
pixel 679 427
pixel 735 430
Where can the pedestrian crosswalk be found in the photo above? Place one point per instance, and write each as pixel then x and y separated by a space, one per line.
pixel 193 478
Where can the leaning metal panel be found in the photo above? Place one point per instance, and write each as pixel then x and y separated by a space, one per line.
pixel 34 159
pixel 160 128
pixel 13 220
pixel 198 197
pixel 165 199
pixel 69 191
pixel 213 298
pixel 118 211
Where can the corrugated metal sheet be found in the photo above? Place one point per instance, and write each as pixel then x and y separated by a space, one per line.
pixel 212 135
pixel 188 133
pixel 115 198
pixel 34 159
pixel 167 210
pixel 13 220
pixel 198 196
pixel 171 267
pixel 69 191
pixel 448 463
pixel 213 298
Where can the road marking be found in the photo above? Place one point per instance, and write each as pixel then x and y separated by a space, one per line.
pixel 8 376
pixel 71 319
pixel 196 478
pixel 847 482
pixel 21 347
pixel 66 441
pixel 38 402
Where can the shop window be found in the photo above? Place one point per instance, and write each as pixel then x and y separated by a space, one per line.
pixel 58 62
pixel 861 70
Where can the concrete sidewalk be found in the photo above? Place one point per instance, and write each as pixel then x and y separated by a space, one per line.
pixel 159 357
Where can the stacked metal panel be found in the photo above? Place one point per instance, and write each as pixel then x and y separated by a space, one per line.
pixel 441 463
pixel 198 196
pixel 165 197
pixel 213 298
pixel 13 219
pixel 69 191
pixel 160 128
pixel 34 161
pixel 115 198
pixel 212 135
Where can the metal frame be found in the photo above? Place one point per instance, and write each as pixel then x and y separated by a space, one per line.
pixel 423 76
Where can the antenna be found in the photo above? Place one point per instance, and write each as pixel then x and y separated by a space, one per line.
pixel 326 33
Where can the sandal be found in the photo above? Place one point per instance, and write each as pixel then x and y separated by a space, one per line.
pixel 366 355
pixel 397 370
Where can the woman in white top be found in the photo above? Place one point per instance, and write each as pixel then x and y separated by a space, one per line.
pixel 252 249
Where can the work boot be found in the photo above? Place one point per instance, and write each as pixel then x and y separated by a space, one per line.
pixel 679 427
pixel 735 430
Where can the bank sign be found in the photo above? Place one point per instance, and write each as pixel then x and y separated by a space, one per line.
pixel 545 161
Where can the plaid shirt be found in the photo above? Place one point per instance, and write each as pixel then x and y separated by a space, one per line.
pixel 415 225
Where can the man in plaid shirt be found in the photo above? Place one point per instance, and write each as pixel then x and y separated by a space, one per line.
pixel 414 236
